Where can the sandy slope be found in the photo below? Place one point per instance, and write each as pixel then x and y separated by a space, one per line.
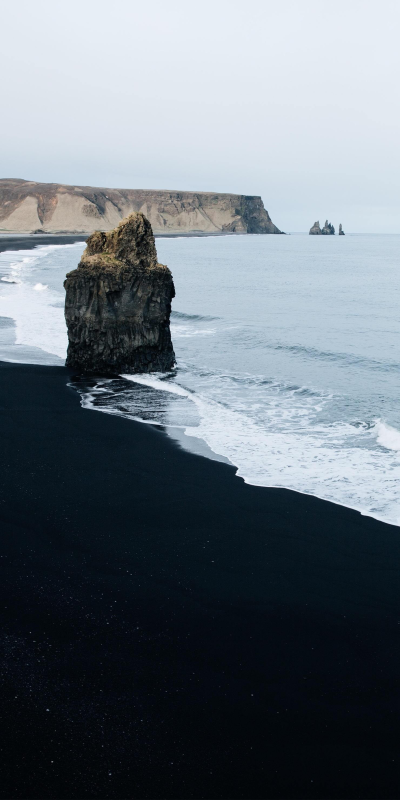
pixel 26 206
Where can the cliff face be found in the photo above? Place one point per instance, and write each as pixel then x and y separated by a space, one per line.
pixel 27 206
pixel 118 304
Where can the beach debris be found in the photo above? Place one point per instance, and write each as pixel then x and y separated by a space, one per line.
pixel 118 303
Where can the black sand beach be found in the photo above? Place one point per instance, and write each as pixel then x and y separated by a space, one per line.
pixel 170 632
pixel 29 241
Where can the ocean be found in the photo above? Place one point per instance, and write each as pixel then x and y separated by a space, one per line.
pixel 287 357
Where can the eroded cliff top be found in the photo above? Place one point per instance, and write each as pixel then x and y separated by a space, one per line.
pixel 130 245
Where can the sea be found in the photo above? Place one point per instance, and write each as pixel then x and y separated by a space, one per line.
pixel 287 349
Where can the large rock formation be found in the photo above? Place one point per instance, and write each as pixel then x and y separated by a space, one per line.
pixel 341 231
pixel 328 229
pixel 118 303
pixel 27 206
pixel 316 229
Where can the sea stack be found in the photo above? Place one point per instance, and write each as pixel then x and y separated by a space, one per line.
pixel 118 303
pixel 316 229
pixel 341 231
pixel 328 229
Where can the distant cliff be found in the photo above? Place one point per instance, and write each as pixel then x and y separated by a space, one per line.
pixel 26 206
pixel 118 303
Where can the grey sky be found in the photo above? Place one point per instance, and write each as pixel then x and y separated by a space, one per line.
pixel 293 101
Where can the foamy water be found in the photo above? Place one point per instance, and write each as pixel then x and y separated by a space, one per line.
pixel 36 306
pixel 287 357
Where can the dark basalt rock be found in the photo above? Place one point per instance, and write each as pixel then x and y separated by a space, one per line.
pixel 328 229
pixel 316 229
pixel 118 303
pixel 341 231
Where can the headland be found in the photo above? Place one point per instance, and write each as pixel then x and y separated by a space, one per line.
pixel 28 206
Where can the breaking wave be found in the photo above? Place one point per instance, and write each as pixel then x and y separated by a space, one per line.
pixel 192 317
pixel 387 436
pixel 284 448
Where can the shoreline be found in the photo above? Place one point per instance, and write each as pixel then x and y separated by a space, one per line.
pixel 170 631
pixel 199 446
pixel 33 240
pixel 28 241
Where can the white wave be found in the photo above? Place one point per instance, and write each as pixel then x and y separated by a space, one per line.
pixel 37 322
pixel 19 259
pixel 322 460
pixel 387 436
pixel 184 331
pixel 156 383
pixel 36 308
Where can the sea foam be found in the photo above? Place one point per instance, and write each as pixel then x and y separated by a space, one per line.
pixel 387 436
pixel 322 460
pixel 35 306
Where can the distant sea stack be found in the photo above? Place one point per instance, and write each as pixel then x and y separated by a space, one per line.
pixel 316 229
pixel 328 229
pixel 28 207
pixel 118 304
pixel 341 231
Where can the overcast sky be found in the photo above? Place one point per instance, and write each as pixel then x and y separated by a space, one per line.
pixel 295 101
